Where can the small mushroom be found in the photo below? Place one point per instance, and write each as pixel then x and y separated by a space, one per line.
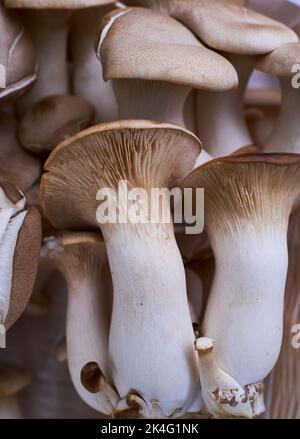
pixel 82 259
pixel 154 62
pixel 12 381
pixel 17 58
pixel 248 201
pixel 52 120
pixel 20 237
pixel 16 165
pixel 150 310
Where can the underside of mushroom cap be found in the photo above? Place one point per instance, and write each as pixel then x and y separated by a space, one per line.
pixel 17 55
pixel 54 4
pixel 140 43
pixel 232 28
pixel 12 380
pixel 72 252
pixel 54 119
pixel 16 165
pixel 281 61
pixel 247 189
pixel 146 154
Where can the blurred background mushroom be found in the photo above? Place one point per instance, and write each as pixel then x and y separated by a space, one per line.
pixel 248 203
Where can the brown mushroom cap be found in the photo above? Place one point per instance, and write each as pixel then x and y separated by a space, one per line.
pixel 55 4
pixel 146 154
pixel 25 264
pixel 16 165
pixel 54 119
pixel 280 61
pixel 12 380
pixel 237 187
pixel 231 28
pixel 17 55
pixel 140 43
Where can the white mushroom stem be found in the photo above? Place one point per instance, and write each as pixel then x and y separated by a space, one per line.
pixel 220 121
pixel 151 100
pixel 49 31
pixel 223 396
pixel 286 134
pixel 248 285
pixel 86 80
pixel 88 314
pixel 151 335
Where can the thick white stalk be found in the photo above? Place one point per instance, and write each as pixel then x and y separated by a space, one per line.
pixel 151 100
pixel 220 121
pixel 87 338
pixel 151 335
pixel 245 308
pixel 49 31
pixel 286 134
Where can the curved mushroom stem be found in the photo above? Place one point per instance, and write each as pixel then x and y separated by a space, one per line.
pixel 88 314
pixel 86 80
pixel 286 134
pixel 223 396
pixel 49 31
pixel 150 316
pixel 221 125
pixel 151 100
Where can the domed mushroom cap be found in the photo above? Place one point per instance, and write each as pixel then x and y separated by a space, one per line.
pixel 237 187
pixel 146 154
pixel 12 380
pixel 139 43
pixel 17 56
pixel 231 28
pixel 280 62
pixel 16 165
pixel 20 234
pixel 55 4
pixel 54 119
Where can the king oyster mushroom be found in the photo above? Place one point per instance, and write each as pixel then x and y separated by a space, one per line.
pixel 154 62
pixel 147 270
pixel 248 201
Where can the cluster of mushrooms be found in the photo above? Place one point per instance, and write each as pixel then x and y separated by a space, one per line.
pixel 158 323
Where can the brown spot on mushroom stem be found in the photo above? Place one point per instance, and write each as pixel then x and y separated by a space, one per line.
pixel 92 377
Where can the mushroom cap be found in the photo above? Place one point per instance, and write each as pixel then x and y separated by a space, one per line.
pixel 281 61
pixel 12 380
pixel 55 4
pixel 140 43
pixel 147 154
pixel 25 264
pixel 16 165
pixel 54 119
pixel 17 55
pixel 232 28
pixel 247 189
